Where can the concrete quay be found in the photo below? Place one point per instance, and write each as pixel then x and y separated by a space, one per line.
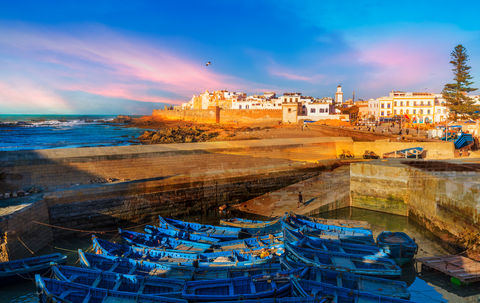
pixel 145 181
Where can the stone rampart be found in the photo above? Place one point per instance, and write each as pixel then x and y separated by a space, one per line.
pixel 224 115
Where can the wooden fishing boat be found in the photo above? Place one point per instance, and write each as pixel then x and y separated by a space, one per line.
pixel 398 245
pixel 56 291
pixel 119 282
pixel 374 285
pixel 309 288
pixel 250 243
pixel 162 242
pixel 327 299
pixel 329 245
pixel 179 234
pixel 312 232
pixel 223 258
pixel 219 232
pixel 254 227
pixel 342 262
pixel 336 222
pixel 172 271
pixel 238 288
pixel 13 271
pixel 414 153
pixel 348 231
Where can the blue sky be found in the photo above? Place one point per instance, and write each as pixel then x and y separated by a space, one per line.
pixel 112 57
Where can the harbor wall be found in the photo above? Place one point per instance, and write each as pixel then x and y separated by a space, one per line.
pixel 95 189
pixel 442 196
pixel 435 150
pixel 221 115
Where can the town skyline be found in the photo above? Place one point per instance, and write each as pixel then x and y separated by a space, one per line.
pixel 118 58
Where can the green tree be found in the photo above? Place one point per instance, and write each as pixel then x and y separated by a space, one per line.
pixel 459 103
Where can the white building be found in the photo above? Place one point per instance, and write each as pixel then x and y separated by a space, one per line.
pixel 339 95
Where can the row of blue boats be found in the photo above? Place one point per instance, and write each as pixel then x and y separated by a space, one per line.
pixel 289 259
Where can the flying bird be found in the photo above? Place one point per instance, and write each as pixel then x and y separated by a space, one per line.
pixel 208 63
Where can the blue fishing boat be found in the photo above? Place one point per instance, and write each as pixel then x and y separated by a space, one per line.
pixel 172 271
pixel 219 232
pixel 119 282
pixel 309 288
pixel 348 231
pixel 398 245
pixel 326 299
pixel 342 262
pixel 312 232
pixel 328 245
pixel 413 153
pixel 179 234
pixel 254 227
pixel 238 288
pixel 251 243
pixel 56 291
pixel 337 222
pixel 13 271
pixel 162 242
pixel 374 285
pixel 223 258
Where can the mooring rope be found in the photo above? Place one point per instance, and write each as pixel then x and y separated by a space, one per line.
pixel 25 245
pixel 87 231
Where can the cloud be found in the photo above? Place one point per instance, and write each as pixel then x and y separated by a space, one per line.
pixel 101 62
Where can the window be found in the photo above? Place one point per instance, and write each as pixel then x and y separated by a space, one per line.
pixel 312 110
pixel 388 105
pixel 401 103
pixel 408 103
pixel 382 114
pixel 421 112
pixel 395 103
pixel 401 112
pixel 428 111
pixel 321 110
pixel 407 111
pixel 429 103
pixel 382 106
pixel 291 99
pixel 395 111
pixel 421 103
pixel 414 103
pixel 289 110
pixel 414 111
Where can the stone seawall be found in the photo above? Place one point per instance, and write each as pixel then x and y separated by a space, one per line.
pixel 221 115
pixel 442 196
pixel 103 188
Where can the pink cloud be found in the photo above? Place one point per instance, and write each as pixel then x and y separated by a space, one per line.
pixel 108 64
pixel 282 72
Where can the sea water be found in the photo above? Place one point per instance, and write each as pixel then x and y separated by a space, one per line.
pixel 28 132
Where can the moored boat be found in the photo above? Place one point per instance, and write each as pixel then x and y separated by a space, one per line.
pixel 251 243
pixel 374 285
pixel 254 227
pixel 13 271
pixel 337 222
pixel 179 234
pixel 119 282
pixel 342 262
pixel 309 289
pixel 219 232
pixel 348 231
pixel 328 245
pixel 294 230
pixel 238 288
pixel 162 242
pixel 172 271
pixel 397 245
pixel 56 291
pixel 223 258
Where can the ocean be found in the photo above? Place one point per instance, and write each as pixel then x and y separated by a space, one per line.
pixel 28 132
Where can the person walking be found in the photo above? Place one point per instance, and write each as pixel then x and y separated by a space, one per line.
pixel 300 199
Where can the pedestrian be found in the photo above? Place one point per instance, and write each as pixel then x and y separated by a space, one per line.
pixel 300 199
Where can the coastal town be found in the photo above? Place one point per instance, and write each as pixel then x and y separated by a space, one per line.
pixel 239 151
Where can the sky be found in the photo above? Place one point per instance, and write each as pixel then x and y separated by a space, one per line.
pixel 129 57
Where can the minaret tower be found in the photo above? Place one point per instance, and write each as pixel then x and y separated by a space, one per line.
pixel 339 95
